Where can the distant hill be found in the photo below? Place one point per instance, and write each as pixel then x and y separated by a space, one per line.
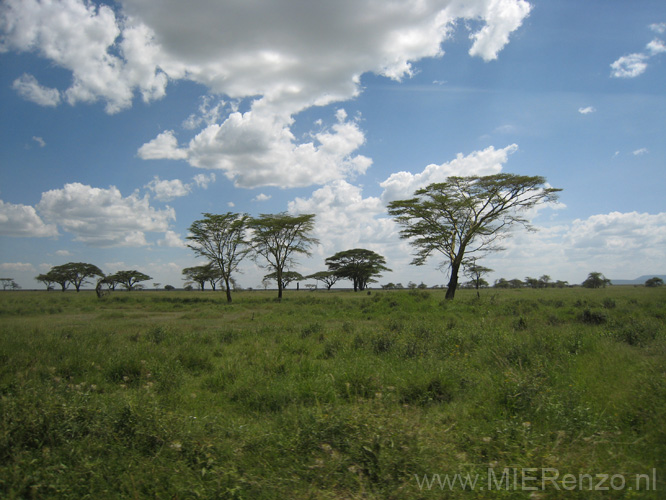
pixel 640 280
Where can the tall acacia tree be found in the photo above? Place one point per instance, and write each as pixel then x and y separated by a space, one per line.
pixel 277 237
pixel 222 240
pixel 467 215
pixel 358 265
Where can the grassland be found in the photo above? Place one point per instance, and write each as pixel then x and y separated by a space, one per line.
pixel 331 395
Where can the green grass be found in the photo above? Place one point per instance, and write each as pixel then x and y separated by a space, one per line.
pixel 329 395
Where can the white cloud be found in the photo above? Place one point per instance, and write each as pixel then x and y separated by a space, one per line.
pixel 641 151
pixel 17 266
pixel 345 219
pixel 486 162
pixel 656 46
pixel 239 50
pixel 283 57
pixel 257 148
pixel 587 110
pixel 171 240
pixel 203 180
pixel 107 56
pixel 164 146
pixel 503 18
pixel 39 141
pixel 168 190
pixel 103 217
pixel 29 88
pixel 262 197
pixel 629 66
pixel 23 221
pixel 658 27
pixel 208 113
pixel 635 65
pixel 63 253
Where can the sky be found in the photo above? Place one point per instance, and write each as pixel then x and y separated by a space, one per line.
pixel 121 122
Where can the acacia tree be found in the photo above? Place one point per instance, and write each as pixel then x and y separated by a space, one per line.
pixel 75 273
pixel 596 280
pixel 46 279
pixel 221 239
pixel 358 265
pixel 467 215
pixel 475 272
pixel 287 277
pixel 328 278
pixel 278 237
pixel 202 274
pixel 129 279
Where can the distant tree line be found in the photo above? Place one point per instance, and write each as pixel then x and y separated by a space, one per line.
pixel 273 241
pixel 79 273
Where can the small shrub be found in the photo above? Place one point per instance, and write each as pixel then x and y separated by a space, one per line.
pixel 608 303
pixel 594 317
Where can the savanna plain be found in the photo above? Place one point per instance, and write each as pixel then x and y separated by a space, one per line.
pixel 333 395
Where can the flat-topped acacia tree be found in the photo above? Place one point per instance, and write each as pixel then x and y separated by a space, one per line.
pixel 277 237
pixel 467 215
pixel 222 240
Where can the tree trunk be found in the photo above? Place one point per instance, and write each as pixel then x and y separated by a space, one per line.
pixel 226 282
pixel 453 282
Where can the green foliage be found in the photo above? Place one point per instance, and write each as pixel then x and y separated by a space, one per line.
pixel 358 265
pixel 326 395
pixel 467 215
pixel 278 238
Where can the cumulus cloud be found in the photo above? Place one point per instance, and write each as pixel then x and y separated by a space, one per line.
pixel 503 17
pixel 486 162
pixel 203 180
pixel 17 266
pixel 345 219
pixel 262 197
pixel 23 221
pixel 109 57
pixel 658 27
pixel 641 151
pixel 39 141
pixel 635 64
pixel 171 240
pixel 586 110
pixel 164 146
pixel 282 58
pixel 656 46
pixel 168 190
pixel 29 88
pixel 257 148
pixel 103 217
pixel 629 66
pixel 239 50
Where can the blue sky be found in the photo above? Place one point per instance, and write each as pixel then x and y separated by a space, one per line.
pixel 121 122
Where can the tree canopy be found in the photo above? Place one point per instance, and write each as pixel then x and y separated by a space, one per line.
pixel 208 273
pixel 75 273
pixel 287 277
pixel 358 265
pixel 467 215
pixel 222 240
pixel 130 279
pixel 279 237
pixel 654 282
pixel 475 272
pixel 596 280
pixel 328 278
